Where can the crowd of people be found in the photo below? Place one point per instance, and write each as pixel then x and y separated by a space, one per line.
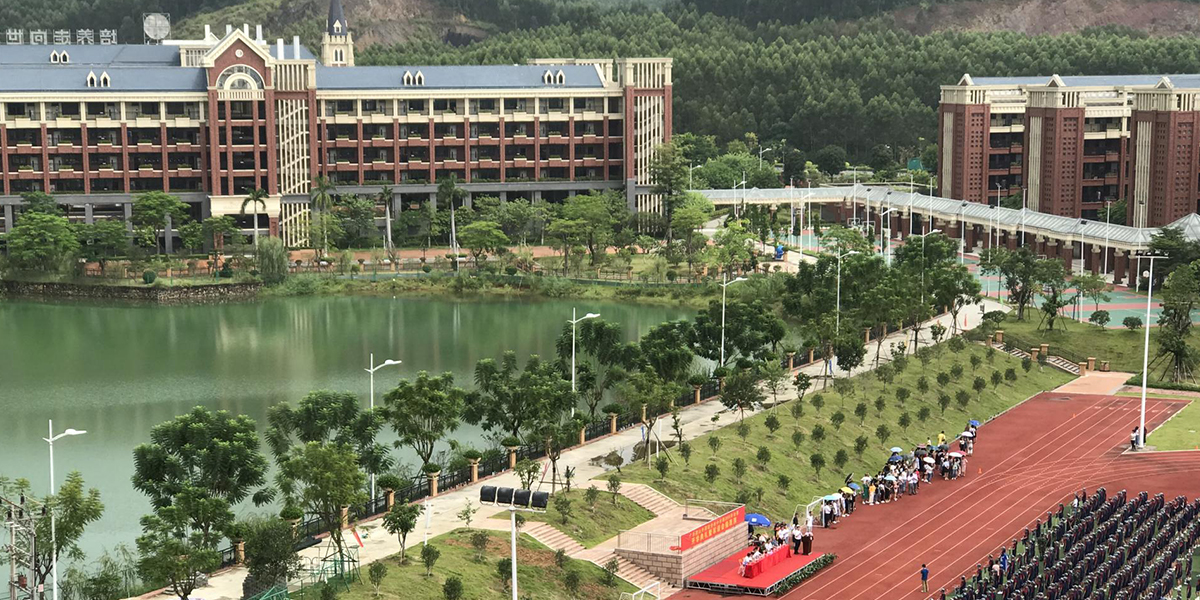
pixel 1098 549
pixel 903 474
pixel 783 538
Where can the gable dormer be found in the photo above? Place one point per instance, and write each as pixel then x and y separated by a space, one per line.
pixel 560 78
pixel 419 79
pixel 105 80
pixel 408 78
pixel 91 79
pixel 54 56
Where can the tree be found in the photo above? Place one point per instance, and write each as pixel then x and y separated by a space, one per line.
pixel 152 210
pixel 323 477
pixel 978 385
pixel 172 551
pixel 511 400
pixel 325 416
pixel 772 424
pixel 714 444
pixel 256 198
pixel 603 358
pixel 1099 318
pixel 322 199
pixel 270 551
pixel 669 171
pixel 711 473
pixel 739 469
pixel 860 411
pixel 817 461
pixel 1092 286
pixel 742 393
pixel 840 458
pixel 221 229
pixel 882 433
pixel 774 377
pixel 837 419
pixel 40 202
pixel 1132 323
pixel 904 421
pixel 614 487
pixel 943 401
pixel 73 507
pixel 41 242
pixel 1022 272
pixel 423 411
pixel 599 213
pixel 1180 295
pixel 400 521
pixel 752 330
pixel 429 557
pixel 694 212
pixel 482 238
pixel 375 574
pixel 831 159
pixel 880 404
pixel 198 466
pixel 273 261
pixel 817 402
pixel 962 398
pixel 101 241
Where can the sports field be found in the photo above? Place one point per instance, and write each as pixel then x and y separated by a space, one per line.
pixel 1028 459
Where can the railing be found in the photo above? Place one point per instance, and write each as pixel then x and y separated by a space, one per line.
pixel 228 557
pixel 644 541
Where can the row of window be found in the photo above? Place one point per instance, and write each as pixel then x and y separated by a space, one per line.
pixel 479 106
pixel 453 131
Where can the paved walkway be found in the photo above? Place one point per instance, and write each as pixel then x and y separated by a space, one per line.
pixel 441 512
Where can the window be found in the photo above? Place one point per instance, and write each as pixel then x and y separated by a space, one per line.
pixel 105 80
pixel 64 58
pixel 420 78
pixel 54 56
pixel 91 79
pixel 408 78
pixel 240 77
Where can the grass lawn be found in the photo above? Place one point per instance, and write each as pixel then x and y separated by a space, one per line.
pixel 1180 433
pixel 537 575
pixel 590 526
pixel 1121 347
pixel 771 498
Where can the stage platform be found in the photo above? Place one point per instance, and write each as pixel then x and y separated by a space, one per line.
pixel 723 577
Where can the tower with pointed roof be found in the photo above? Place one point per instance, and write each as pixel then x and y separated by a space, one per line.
pixel 337 44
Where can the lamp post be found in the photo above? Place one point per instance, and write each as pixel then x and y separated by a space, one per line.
pixel 837 326
pixel 1107 224
pixel 575 321
pixel 371 371
pixel 53 534
pixel 962 236
pixel 690 169
pixel 923 261
pixel 854 194
pixel 725 284
pixel 883 249
pixel 1145 345
pixel 735 186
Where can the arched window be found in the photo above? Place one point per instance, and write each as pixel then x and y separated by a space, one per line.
pixel 560 78
pixel 105 80
pixel 408 78
pixel 240 77
pixel 420 78
pixel 54 56
pixel 547 78
pixel 337 26
pixel 91 79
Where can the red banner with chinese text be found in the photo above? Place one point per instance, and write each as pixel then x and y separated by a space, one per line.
pixel 712 528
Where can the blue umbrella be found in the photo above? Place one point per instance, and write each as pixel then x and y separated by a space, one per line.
pixel 895 458
pixel 974 422
pixel 758 520
pixel 833 497
pixel 897 449
pixel 855 486
pixel 890 478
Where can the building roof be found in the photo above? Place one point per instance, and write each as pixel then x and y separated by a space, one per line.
pixel 457 77
pixel 119 54
pixel 337 15
pixel 1179 80
pixel 73 78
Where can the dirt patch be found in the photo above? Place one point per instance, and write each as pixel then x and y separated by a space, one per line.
pixel 500 547
pixel 1158 17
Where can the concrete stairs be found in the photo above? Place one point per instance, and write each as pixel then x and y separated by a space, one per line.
pixel 552 537
pixel 648 498
pixel 1057 362
pixel 636 575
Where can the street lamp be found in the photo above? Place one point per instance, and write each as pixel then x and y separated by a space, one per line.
pixel 735 186
pixel 882 248
pixel 962 236
pixel 1107 224
pixel 1149 275
pixel 1024 207
pixel 837 326
pixel 53 537
pixel 923 261
pixel 725 284
pixel 575 321
pixel 371 371
pixel 514 500
pixel 690 169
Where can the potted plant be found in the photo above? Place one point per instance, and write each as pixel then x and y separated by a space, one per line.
pixel 473 457
pixel 720 373
pixel 291 513
pixel 432 471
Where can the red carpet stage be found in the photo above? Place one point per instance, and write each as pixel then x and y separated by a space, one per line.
pixel 723 577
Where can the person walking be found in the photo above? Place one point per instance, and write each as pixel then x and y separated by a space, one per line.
pixel 924 579
pixel 1133 439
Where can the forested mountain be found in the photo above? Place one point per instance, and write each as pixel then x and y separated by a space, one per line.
pixel 123 15
pixel 857 84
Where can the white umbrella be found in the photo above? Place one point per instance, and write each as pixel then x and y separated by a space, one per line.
pixel 967 434
pixel 897 449
pixel 929 459
pixel 956 454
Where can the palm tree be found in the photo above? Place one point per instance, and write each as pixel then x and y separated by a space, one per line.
pixel 254 199
pixel 322 199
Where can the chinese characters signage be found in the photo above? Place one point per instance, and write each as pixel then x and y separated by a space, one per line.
pixel 712 528
pixel 61 37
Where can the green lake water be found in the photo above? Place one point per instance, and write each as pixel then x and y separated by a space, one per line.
pixel 116 371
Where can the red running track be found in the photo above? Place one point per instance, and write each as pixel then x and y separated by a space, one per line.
pixel 1032 457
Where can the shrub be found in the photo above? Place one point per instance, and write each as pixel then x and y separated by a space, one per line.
pixel 880 404
pixel 818 433
pixel 149 276
pixel 685 451
pixel 956 370
pixel 429 557
pixel 562 504
pixel 817 462
pixel 840 458
pixel 571 581
pixel 995 316
pixel 797 409
pixel 560 558
pixel 797 438
pixel 426 268
pixel 905 420
pixel 388 481
pixel 883 432
pixel 1010 374
pixel 763 455
pixel 743 430
pixel 662 465
pixel 672 275
pixel 837 419
pixel 291 512
pixel 714 444
pixel 375 574
pixel 504 571
pixel 957 344
pixel 431 468
pixel 943 402
pixel 962 398
pixel 711 472
pixel 1026 364
pixel 739 468
pixel 1132 323
pixel 772 423
pixel 479 541
pixel 783 482
pixel 860 411
pixel 697 379
pixel 943 379
pixel 591 495
pixel 510 270
pixel 860 445
pixel 817 402
pixel 453 588
pixel 1100 318
pixel 610 571
pixel 614 487
pixel 923 414
pixel 272 260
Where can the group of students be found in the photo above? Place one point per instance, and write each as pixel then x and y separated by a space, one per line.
pixel 782 535
pixel 903 474
pixel 1102 549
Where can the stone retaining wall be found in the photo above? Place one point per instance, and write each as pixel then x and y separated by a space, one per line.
pixel 674 567
pixel 197 294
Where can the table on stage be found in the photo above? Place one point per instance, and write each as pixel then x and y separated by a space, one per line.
pixel 771 559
